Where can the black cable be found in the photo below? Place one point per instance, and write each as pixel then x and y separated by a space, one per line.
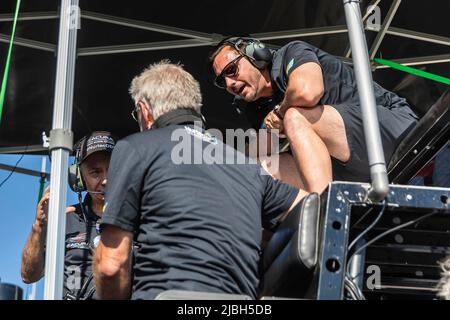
pixel 355 288
pixel 351 287
pixel 12 171
pixel 80 201
pixel 381 236
pixel 393 230
pixel 363 217
pixel 351 290
pixel 369 227
pixel 350 281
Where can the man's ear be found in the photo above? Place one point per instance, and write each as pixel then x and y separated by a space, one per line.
pixel 147 119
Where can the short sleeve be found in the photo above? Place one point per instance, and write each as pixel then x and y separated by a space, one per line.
pixel 289 58
pixel 296 55
pixel 123 190
pixel 278 198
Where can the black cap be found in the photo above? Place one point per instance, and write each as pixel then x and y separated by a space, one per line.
pixel 96 141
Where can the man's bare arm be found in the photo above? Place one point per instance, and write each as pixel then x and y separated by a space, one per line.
pixel 33 255
pixel 112 264
pixel 300 195
pixel 305 87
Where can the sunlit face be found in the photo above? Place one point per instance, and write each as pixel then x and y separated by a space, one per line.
pixel 95 170
pixel 247 82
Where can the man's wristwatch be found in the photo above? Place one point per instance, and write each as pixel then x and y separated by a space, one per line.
pixel 276 110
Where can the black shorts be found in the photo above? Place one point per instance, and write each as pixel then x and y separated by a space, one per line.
pixel 395 123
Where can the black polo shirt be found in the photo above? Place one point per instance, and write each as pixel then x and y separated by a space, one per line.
pixel 81 238
pixel 340 87
pixel 197 226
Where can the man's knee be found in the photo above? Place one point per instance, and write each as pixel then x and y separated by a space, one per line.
pixel 296 118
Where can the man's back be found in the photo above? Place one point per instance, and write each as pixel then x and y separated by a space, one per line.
pixel 339 78
pixel 197 226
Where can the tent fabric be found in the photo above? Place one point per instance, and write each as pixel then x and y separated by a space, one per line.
pixel 101 100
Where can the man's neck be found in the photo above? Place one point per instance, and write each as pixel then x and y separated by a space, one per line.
pixel 95 205
pixel 97 208
pixel 266 90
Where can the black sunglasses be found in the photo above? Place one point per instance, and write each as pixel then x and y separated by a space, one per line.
pixel 230 70
pixel 134 113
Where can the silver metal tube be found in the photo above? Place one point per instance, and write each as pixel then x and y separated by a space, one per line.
pixel 378 173
pixel 24 16
pixel 28 43
pixel 62 119
pixel 24 149
pixel 357 265
pixel 140 47
pixel 146 25
pixel 386 23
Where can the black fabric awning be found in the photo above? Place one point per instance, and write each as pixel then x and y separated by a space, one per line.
pixel 101 100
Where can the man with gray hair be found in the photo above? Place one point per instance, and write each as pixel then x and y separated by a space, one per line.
pixel 444 283
pixel 196 226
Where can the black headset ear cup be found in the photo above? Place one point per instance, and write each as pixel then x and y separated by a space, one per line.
pixel 76 182
pixel 80 179
pixel 73 177
pixel 256 51
pixel 262 54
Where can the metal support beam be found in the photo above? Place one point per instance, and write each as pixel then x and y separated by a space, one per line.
pixel 28 43
pixel 377 164
pixel 308 32
pixel 27 16
pixel 386 23
pixel 62 119
pixel 24 149
pixel 341 197
pixel 418 36
pixel 348 52
pixel 444 58
pixel 139 47
pixel 145 25
pixel 23 171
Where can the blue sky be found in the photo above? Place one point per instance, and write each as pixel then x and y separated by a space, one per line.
pixel 18 200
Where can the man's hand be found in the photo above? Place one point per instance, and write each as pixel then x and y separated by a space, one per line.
pixel 42 209
pixel 33 255
pixel 112 264
pixel 274 122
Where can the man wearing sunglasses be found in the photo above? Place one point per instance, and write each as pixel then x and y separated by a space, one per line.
pixel 196 224
pixel 312 98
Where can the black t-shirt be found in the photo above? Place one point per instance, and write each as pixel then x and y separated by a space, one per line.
pixel 81 238
pixel 196 226
pixel 340 86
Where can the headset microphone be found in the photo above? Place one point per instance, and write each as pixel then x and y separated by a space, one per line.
pixel 96 192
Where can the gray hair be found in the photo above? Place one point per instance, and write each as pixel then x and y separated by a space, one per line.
pixel 444 283
pixel 165 87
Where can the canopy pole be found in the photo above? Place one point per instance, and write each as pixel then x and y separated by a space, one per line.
pixel 8 61
pixel 377 164
pixel 61 141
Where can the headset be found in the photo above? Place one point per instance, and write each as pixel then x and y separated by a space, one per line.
pixel 76 181
pixel 179 116
pixel 253 49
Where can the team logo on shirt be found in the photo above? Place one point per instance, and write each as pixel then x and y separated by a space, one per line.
pixel 95 242
pixel 205 136
pixel 77 242
pixel 289 66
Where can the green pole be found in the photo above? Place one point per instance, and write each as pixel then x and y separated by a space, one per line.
pixel 413 71
pixel 42 179
pixel 8 61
